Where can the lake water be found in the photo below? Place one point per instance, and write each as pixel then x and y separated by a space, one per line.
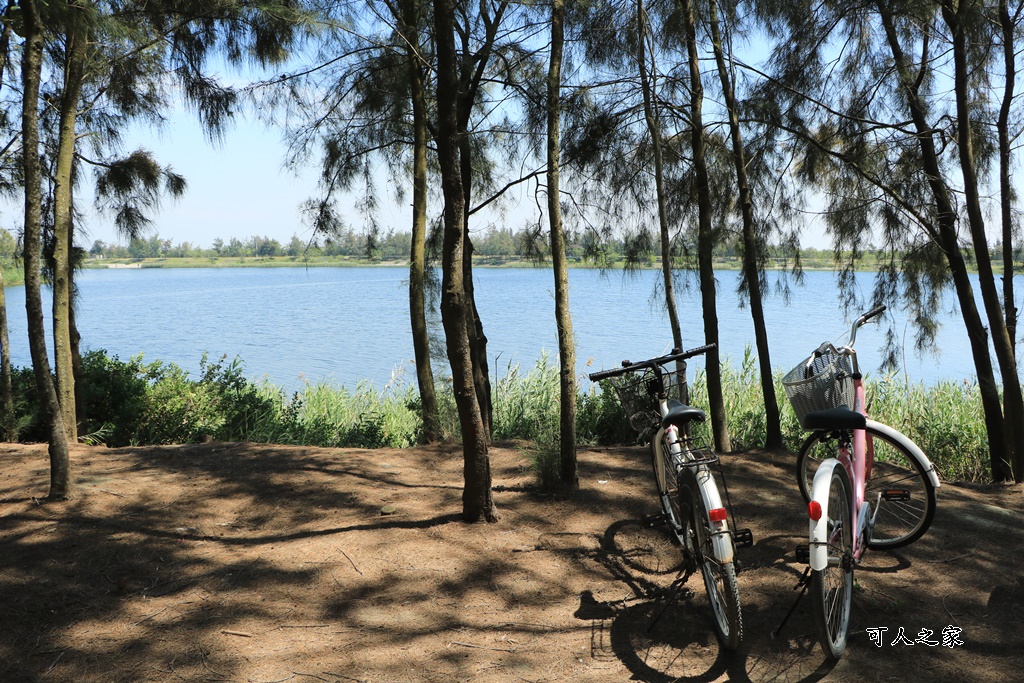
pixel 344 325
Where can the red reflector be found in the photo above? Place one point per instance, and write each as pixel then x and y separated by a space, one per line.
pixel 814 510
pixel 717 515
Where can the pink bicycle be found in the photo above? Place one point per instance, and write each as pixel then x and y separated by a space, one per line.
pixel 866 484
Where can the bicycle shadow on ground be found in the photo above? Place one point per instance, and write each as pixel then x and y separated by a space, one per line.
pixel 663 630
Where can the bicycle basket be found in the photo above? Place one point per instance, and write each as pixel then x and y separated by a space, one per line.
pixel 638 395
pixel 825 383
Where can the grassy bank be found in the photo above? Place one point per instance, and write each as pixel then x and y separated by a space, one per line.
pixel 136 403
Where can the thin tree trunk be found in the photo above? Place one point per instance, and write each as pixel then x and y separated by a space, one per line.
pixel 477 499
pixel 417 257
pixel 62 222
pixel 475 329
pixel 1007 26
pixel 948 240
pixel 31 67
pixel 563 316
pixel 1013 400
pixel 751 245
pixel 705 239
pixel 8 421
pixel 470 73
pixel 653 118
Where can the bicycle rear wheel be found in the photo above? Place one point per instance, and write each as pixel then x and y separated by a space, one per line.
pixel 666 481
pixel 832 587
pixel 897 486
pixel 719 577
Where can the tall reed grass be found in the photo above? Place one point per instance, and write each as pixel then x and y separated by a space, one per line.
pixel 132 402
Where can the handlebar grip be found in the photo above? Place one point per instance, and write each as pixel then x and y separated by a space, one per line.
pixel 876 311
pixel 603 374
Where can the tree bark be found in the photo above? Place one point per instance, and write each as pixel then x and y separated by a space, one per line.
pixel 751 245
pixel 470 71
pixel 62 222
pixel 705 238
pixel 417 257
pixel 31 67
pixel 8 421
pixel 566 343
pixel 1013 400
pixel 948 240
pixel 1007 27
pixel 477 499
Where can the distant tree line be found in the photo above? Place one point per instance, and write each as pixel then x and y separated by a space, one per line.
pixel 500 243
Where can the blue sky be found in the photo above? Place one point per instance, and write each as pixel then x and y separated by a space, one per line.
pixel 237 188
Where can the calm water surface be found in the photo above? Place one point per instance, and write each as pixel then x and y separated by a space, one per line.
pixel 345 325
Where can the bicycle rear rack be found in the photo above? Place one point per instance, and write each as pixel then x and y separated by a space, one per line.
pixel 697 454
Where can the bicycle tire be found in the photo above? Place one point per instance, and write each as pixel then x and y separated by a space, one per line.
pixel 832 587
pixel 906 506
pixel 719 578
pixel 666 482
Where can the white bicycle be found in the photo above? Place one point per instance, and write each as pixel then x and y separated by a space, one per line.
pixel 692 508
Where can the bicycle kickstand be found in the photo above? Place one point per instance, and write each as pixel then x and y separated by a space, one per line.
pixel 803 584
pixel 676 587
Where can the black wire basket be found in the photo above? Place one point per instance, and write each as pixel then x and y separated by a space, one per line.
pixel 638 395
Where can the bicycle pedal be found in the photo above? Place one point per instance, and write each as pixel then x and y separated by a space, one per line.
pixel 655 520
pixel 897 495
pixel 744 538
pixel 803 554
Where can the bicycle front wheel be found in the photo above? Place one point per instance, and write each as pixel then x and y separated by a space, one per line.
pixel 666 480
pixel 897 486
pixel 832 587
pixel 719 577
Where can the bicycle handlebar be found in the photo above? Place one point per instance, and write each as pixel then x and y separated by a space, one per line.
pixel 630 366
pixel 874 312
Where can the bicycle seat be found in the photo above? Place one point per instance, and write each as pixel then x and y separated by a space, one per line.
pixel 680 413
pixel 835 418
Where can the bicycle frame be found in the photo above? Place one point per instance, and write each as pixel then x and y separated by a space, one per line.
pixel 858 463
pixel 721 538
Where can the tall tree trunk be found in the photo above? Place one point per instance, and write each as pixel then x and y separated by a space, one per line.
pixel 418 251
pixel 475 329
pixel 705 238
pixel 653 118
pixel 470 73
pixel 8 421
pixel 62 222
pixel 477 499
pixel 751 244
pixel 1013 400
pixel 31 67
pixel 947 238
pixel 566 343
pixel 1007 27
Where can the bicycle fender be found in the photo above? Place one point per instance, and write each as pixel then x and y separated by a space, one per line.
pixel 721 539
pixel 911 447
pixel 819 527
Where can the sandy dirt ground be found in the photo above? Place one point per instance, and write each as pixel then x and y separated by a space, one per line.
pixel 260 564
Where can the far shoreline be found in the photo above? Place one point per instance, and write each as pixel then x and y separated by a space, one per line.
pixel 479 261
